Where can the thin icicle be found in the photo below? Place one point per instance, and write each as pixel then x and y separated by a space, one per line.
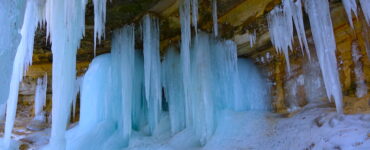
pixel 99 21
pixel 77 90
pixel 361 87
pixel 323 36
pixel 152 66
pixel 299 26
pixel 195 14
pixel 365 5
pixel 185 54
pixel 214 17
pixel 23 59
pixel 252 38
pixel 350 6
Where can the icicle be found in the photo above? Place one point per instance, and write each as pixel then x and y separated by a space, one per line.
pixel 350 6
pixel 23 59
pixel 174 89
pixel 195 14
pixel 65 24
pixel 214 17
pixel 361 87
pixel 299 26
pixel 153 91
pixel 185 54
pixel 365 5
pixel 99 20
pixel 40 96
pixel 281 29
pixel 322 32
pixel 252 38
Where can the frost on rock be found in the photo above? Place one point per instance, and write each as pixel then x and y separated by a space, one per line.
pixel 99 20
pixel 65 26
pixel 280 24
pixel 185 54
pixel 23 59
pixel 361 87
pixel 214 17
pixel 152 72
pixel 40 97
pixel 323 36
pixel 350 6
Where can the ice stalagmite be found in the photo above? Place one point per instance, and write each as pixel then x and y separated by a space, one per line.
pixel 361 87
pixel 350 6
pixel 40 96
pixel 23 59
pixel 185 54
pixel 152 72
pixel 323 36
pixel 99 20
pixel 174 90
pixel 214 17
pixel 365 5
pixel 65 24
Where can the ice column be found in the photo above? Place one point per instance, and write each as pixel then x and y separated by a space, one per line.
pixel 152 66
pixel 361 87
pixel 323 36
pixel 23 59
pixel 174 90
pixel 40 96
pixel 65 24
pixel 185 54
pixel 350 6
pixel 99 20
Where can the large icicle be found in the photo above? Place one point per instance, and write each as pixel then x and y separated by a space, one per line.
pixel 174 90
pixel 299 26
pixel 185 54
pixel 99 20
pixel 214 17
pixel 65 24
pixel 323 36
pixel 40 96
pixel 350 6
pixel 23 59
pixel 361 87
pixel 365 5
pixel 152 66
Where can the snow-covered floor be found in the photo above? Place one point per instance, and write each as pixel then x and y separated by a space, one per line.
pixel 312 127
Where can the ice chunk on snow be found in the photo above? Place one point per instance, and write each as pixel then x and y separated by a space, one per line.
pixel 323 36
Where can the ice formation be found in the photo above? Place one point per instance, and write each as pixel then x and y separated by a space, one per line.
pixel 23 59
pixel 280 23
pixel 194 6
pixel 361 87
pixel 152 72
pixel 252 38
pixel 214 17
pixel 365 5
pixel 185 54
pixel 66 25
pixel 323 36
pixel 350 6
pixel 77 89
pixel 40 96
pixel 99 20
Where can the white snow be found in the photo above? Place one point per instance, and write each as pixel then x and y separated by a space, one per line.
pixel 323 36
pixel 350 6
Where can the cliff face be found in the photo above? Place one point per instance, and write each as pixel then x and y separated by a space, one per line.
pixel 238 19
